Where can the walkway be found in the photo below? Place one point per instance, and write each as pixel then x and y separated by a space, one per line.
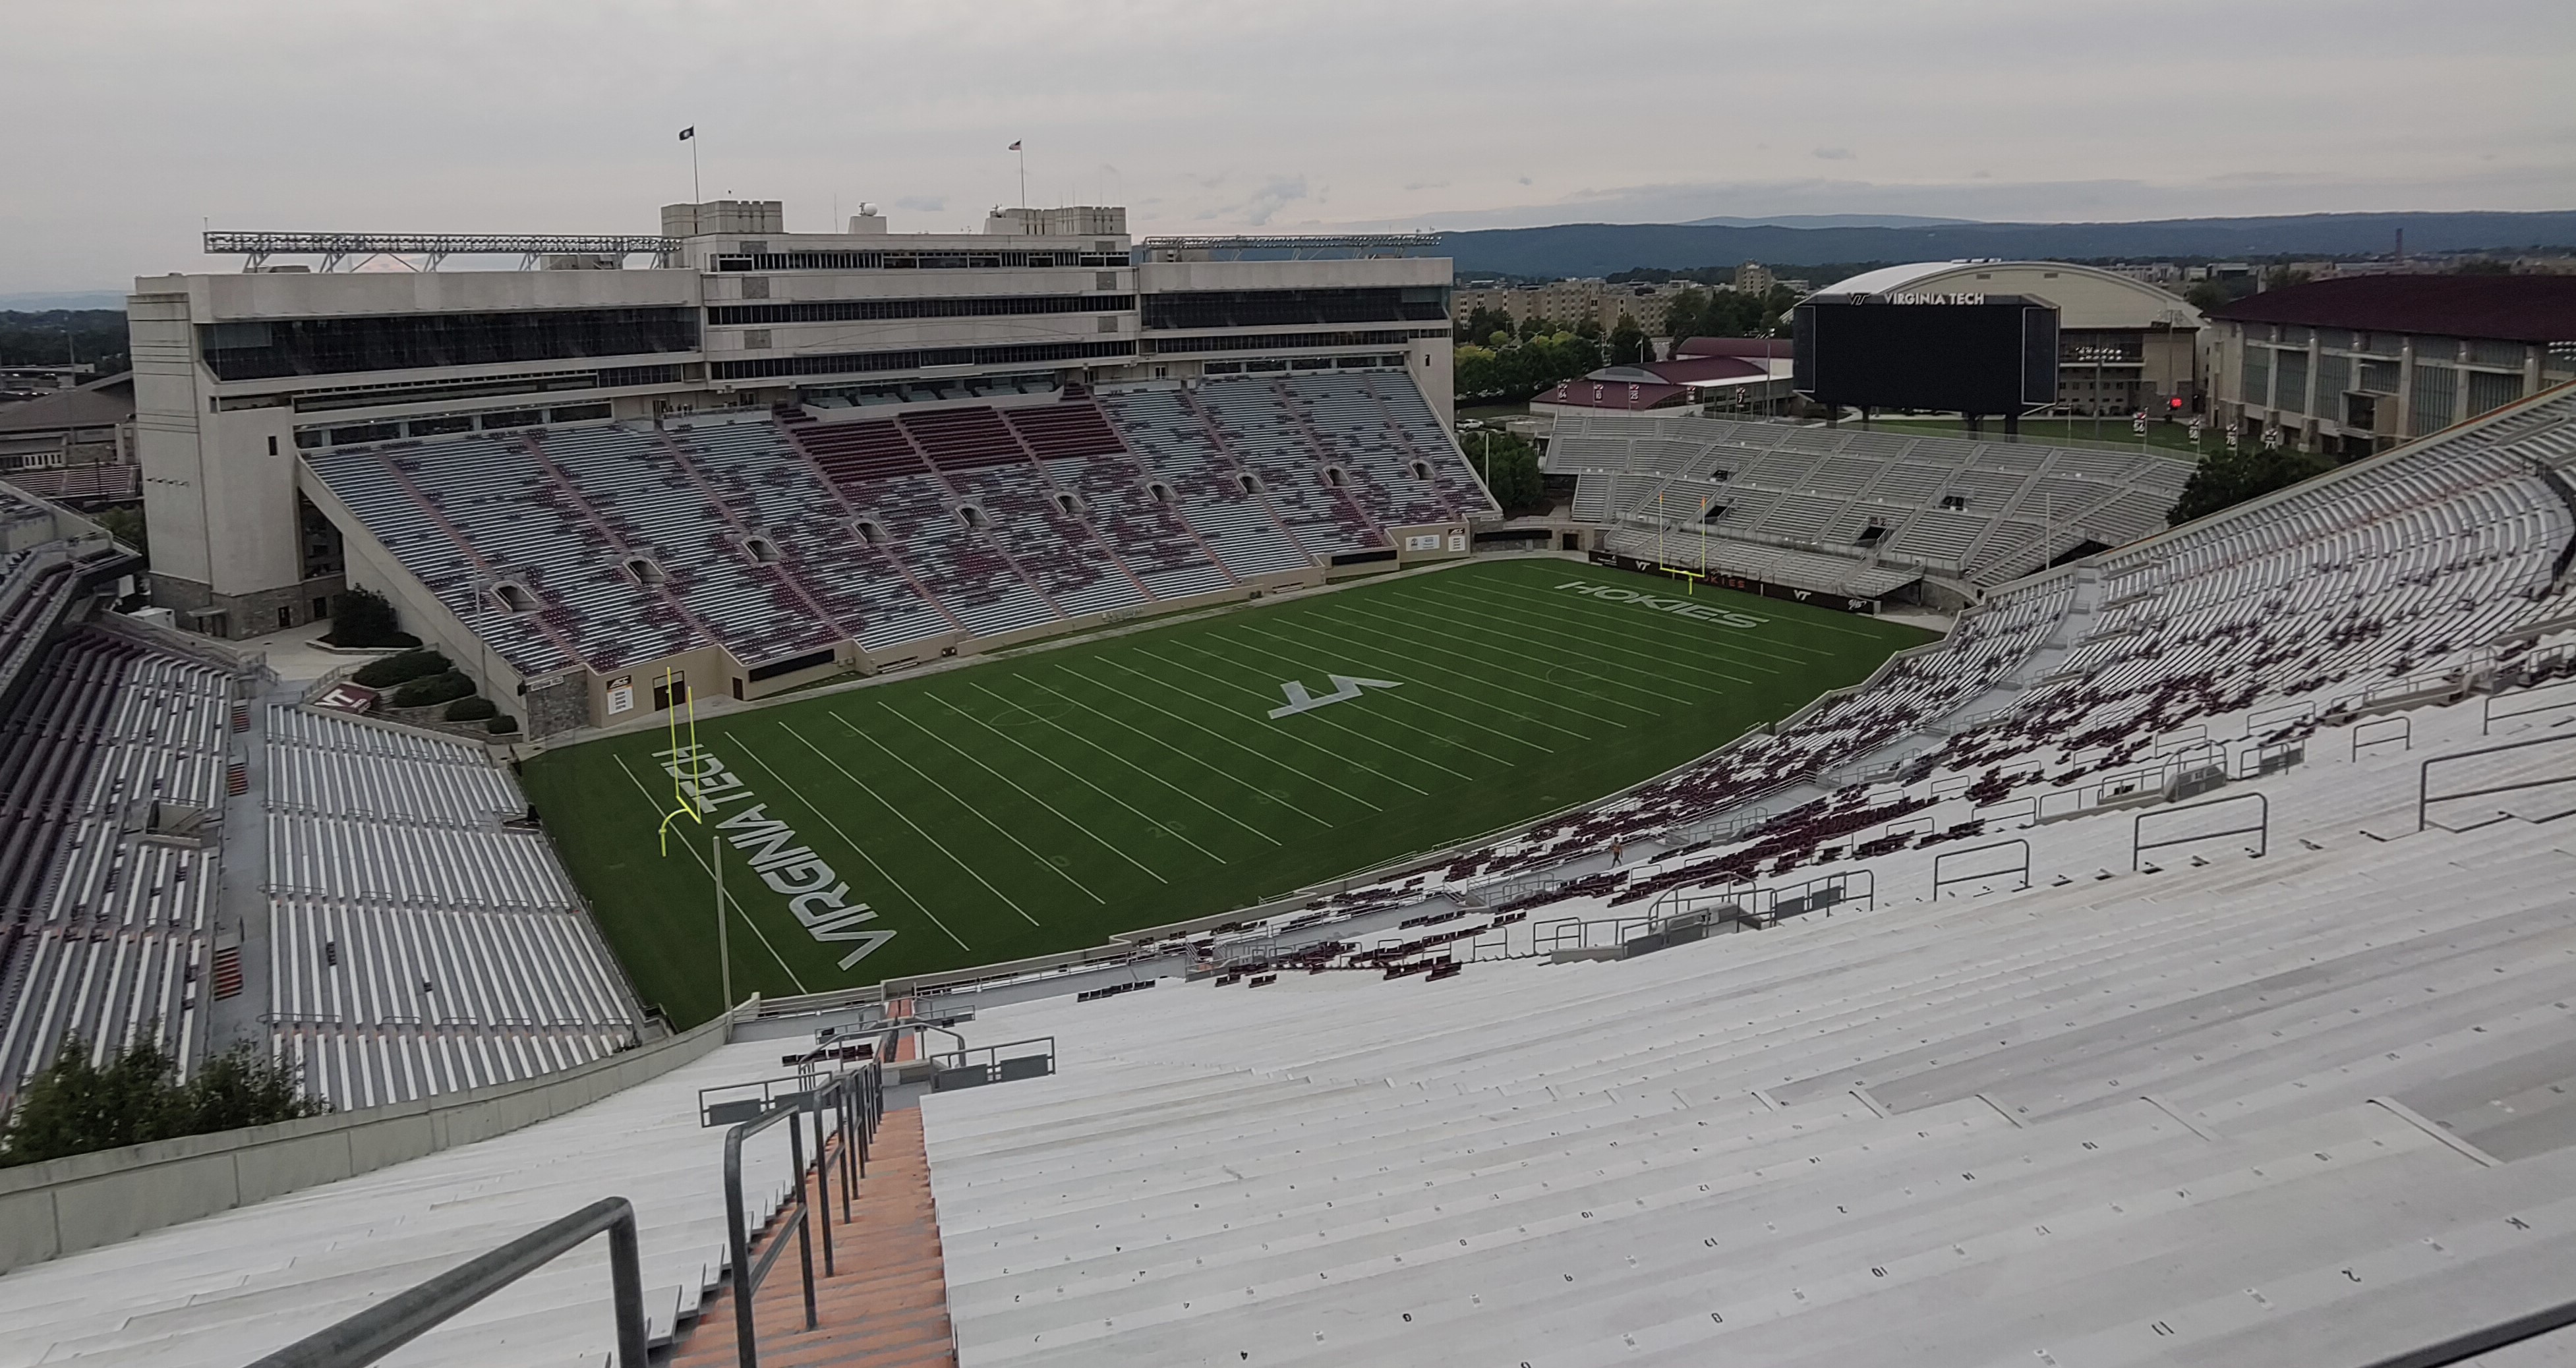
pixel 889 1306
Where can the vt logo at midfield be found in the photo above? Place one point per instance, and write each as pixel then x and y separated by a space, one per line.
pixel 1345 688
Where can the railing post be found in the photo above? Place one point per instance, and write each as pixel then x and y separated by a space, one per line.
pixel 746 1336
pixel 849 1140
pixel 804 1213
pixel 626 1283
pixel 823 1190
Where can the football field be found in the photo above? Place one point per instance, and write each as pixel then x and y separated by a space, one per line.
pixel 1043 799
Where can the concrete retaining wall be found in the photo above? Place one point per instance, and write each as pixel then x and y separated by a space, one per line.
pixel 63 1206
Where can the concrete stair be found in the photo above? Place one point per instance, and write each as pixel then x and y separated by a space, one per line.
pixel 887 1304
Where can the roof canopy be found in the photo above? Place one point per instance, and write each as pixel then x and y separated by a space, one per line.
pixel 2519 308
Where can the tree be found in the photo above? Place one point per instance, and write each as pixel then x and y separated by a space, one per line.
pixel 1628 346
pixel 2231 477
pixel 1688 315
pixel 126 525
pixel 1510 466
pixel 1482 323
pixel 363 617
pixel 75 1106
pixel 2283 277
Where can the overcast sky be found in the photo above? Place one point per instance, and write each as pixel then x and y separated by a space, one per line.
pixel 133 124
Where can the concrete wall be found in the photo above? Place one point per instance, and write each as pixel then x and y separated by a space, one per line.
pixel 64 1206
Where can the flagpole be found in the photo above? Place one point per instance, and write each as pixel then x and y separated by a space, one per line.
pixel 1023 155
pixel 697 195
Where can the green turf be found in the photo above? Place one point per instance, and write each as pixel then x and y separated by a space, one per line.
pixel 1042 801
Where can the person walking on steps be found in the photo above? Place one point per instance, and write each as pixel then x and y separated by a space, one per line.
pixel 1617 844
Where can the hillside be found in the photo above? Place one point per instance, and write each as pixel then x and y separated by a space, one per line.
pixel 1593 249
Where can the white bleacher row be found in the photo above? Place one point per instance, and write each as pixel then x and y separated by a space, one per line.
pixel 417 946
pixel 229 1288
pixel 114 946
pixel 323 781
pixel 1692 550
pixel 400 863
pixel 2411 561
pixel 1816 487
pixel 165 739
pixel 759 476
pixel 35 587
pixel 2080 1121
pixel 341 734
pixel 120 958
pixel 351 1068
pixel 560 514
pixel 339 962
pixel 1167 437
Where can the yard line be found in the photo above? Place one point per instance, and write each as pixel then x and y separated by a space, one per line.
pixel 1265 794
pixel 1104 750
pixel 1040 755
pixel 1398 721
pixel 852 842
pixel 1675 632
pixel 1618 676
pixel 900 815
pixel 1104 843
pixel 1413 698
pixel 1689 659
pixel 1221 736
pixel 1006 833
pixel 710 872
pixel 1614 681
pixel 1495 665
pixel 1303 741
pixel 1336 649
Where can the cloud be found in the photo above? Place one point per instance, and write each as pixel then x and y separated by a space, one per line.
pixel 1275 194
pixel 923 204
pixel 1202 104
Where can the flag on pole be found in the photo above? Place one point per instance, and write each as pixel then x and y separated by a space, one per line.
pixel 1014 147
pixel 689 132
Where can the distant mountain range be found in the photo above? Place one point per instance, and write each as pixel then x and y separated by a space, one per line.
pixel 1825 221
pixel 48 301
pixel 1594 249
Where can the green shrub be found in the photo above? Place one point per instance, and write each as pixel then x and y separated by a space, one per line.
pixel 74 1106
pixel 437 688
pixel 503 725
pixel 363 617
pixel 399 669
pixel 471 709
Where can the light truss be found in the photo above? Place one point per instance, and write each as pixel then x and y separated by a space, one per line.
pixel 1299 246
pixel 336 249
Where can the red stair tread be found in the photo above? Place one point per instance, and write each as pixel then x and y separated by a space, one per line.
pixel 888 1306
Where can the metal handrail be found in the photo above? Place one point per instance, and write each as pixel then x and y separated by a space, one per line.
pixel 381 1329
pixel 2424 775
pixel 2262 827
pixel 1939 881
pixel 2488 716
pixel 2298 710
pixel 2250 762
pixel 2405 734
pixel 993 1053
pixel 856 1102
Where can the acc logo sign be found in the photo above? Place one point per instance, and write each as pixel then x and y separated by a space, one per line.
pixel 1678 607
